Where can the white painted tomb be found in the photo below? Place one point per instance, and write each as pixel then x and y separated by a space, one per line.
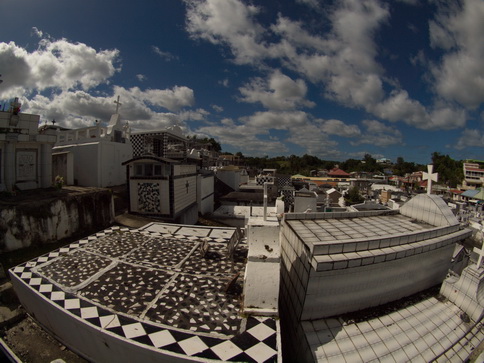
pixel 148 295
pixel 25 155
pixel 335 264
pixel 97 152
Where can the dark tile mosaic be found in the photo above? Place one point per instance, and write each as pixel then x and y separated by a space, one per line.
pixel 126 288
pixel 72 269
pixel 117 244
pixel 116 300
pixel 161 252
pixel 198 304
pixel 216 261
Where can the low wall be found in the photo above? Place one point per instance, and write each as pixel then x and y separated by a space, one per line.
pixel 45 221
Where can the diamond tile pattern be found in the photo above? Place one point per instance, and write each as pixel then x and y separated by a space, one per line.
pixel 133 293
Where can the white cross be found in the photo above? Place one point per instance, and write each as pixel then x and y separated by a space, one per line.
pixel 117 104
pixel 429 176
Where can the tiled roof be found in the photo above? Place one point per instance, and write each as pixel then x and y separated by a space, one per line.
pixel 338 172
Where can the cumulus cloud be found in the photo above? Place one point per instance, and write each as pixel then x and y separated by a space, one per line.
pixel 56 64
pixel 311 3
pixel 141 77
pixel 217 108
pixel 458 30
pixel 74 109
pixel 278 92
pixel 59 81
pixel 255 134
pixel 166 56
pixel 244 137
pixel 470 138
pixel 344 58
pixel 314 141
pixel 171 99
pixel 228 22
pixel 379 134
pixel 339 128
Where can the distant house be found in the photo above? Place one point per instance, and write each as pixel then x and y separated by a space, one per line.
pixel 338 173
pixel 473 176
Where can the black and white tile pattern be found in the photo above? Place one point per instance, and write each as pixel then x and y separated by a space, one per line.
pixel 149 197
pixel 151 301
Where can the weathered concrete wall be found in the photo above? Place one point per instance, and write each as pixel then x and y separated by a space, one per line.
pixel 48 221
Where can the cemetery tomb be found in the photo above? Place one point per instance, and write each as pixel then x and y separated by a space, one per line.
pixel 148 295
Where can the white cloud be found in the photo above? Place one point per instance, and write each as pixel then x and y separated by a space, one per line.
pixel 311 138
pixel 78 108
pixel 224 82
pixel 244 138
pixel 311 3
pixel 172 99
pixel 229 22
pixel 470 138
pixel 343 60
pixel 141 77
pixel 263 121
pixel 378 134
pixel 272 132
pixel 55 64
pixel 458 30
pixel 217 108
pixel 278 92
pixel 339 128
pixel 166 56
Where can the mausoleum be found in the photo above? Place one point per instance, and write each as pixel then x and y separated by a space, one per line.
pixel 162 293
pixel 335 264
pixel 163 188
pixel 93 155
pixel 25 155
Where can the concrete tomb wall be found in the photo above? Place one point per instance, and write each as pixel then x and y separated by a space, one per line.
pixel 50 221
pixel 205 193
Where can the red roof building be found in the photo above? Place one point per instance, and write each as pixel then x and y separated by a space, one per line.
pixel 338 173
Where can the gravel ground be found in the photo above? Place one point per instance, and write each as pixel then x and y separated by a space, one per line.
pixel 32 344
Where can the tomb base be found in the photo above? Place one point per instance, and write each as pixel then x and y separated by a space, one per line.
pixel 467 291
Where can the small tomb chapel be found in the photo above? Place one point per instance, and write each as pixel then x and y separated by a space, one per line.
pixel 92 156
pixel 25 154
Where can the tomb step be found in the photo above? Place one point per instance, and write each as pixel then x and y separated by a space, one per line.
pixel 342 260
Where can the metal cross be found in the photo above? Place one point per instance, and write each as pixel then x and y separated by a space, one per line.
pixel 117 104
pixel 429 176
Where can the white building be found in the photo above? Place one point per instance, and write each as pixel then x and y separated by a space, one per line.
pixel 25 155
pixel 92 156
pixel 473 176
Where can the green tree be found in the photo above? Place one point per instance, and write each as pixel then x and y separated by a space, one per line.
pixel 402 167
pixel 450 171
pixel 353 196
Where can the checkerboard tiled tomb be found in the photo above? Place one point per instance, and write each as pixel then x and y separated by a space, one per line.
pixel 147 293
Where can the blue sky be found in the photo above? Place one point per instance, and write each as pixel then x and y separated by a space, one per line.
pixel 334 79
